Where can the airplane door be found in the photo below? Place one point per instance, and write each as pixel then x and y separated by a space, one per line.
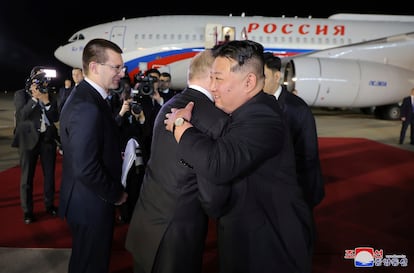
pixel 117 35
pixel 213 34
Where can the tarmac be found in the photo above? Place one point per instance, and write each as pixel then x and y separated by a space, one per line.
pixel 330 123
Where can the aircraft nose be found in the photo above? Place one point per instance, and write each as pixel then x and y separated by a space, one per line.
pixel 59 53
pixel 70 55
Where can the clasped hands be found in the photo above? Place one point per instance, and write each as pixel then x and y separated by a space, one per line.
pixel 177 113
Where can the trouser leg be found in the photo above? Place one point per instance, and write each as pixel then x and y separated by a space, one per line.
pixel 48 162
pixel 28 160
pixel 404 126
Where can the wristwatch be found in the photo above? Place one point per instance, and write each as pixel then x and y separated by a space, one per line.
pixel 178 122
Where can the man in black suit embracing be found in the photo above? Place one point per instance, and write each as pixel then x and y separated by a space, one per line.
pixel 267 225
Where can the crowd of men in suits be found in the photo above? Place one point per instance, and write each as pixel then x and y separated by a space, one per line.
pixel 247 156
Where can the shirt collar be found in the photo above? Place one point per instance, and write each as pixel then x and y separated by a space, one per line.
pixel 100 90
pixel 202 90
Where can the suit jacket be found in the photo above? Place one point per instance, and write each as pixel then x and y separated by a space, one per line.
pixel 63 95
pixel 168 226
pixel 269 227
pixel 407 108
pixel 167 96
pixel 302 128
pixel 28 120
pixel 92 162
pixel 151 109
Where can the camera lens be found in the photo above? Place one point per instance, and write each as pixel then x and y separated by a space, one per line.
pixel 136 108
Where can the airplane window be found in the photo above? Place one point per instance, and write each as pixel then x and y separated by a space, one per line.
pixel 283 40
pixel 186 37
pixel 297 40
pixel 157 36
pixel 165 36
pixel 179 37
pixel 73 38
pixel 81 37
pixel 275 39
pixel 150 36
pixel 172 36
pixel 290 39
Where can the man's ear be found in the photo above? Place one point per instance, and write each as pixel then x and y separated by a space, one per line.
pixel 250 81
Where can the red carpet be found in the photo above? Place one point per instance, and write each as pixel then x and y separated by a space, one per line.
pixel 369 203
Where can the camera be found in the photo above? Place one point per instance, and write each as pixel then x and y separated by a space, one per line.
pixel 146 84
pixel 135 105
pixel 41 80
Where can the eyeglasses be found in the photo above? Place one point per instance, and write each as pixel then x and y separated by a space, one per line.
pixel 117 68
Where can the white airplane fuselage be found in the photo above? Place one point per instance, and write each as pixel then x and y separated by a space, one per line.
pixel 346 60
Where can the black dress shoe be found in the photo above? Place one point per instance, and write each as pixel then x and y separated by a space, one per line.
pixel 52 210
pixel 28 218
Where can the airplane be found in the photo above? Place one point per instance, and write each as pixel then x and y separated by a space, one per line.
pixel 363 61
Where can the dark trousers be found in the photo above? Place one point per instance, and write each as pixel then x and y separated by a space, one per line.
pixel 46 150
pixel 91 248
pixel 134 182
pixel 404 127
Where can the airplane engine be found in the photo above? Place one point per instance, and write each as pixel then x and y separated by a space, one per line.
pixel 328 82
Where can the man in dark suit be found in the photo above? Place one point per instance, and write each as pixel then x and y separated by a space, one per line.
pixel 407 117
pixel 169 226
pixel 77 76
pixel 165 90
pixel 269 226
pixel 92 163
pixel 35 136
pixel 64 92
pixel 302 128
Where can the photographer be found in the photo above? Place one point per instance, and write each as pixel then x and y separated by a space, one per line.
pixel 150 100
pixel 130 120
pixel 35 136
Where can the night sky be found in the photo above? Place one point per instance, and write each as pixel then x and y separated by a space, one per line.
pixel 31 30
